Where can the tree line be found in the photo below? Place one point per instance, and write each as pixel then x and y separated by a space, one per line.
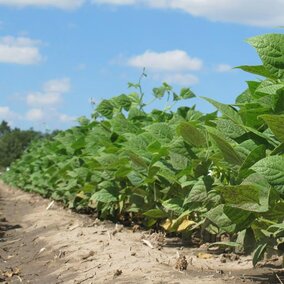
pixel 14 141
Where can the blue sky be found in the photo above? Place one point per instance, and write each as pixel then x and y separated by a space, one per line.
pixel 57 55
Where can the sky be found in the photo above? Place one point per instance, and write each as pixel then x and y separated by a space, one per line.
pixel 58 56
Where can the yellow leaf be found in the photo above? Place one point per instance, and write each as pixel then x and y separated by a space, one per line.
pixel 82 195
pixel 204 255
pixel 185 224
pixel 166 224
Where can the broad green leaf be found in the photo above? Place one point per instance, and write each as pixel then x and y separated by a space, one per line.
pixel 161 91
pixel 198 193
pixel 137 160
pixel 104 196
pixel 186 93
pixel 268 87
pixel 165 172
pixel 174 204
pixel 154 147
pixel 123 101
pixel 122 171
pixel 121 125
pixel 248 197
pixel 272 169
pixel 276 124
pixel 276 212
pixel 136 114
pixel 258 70
pixel 226 110
pixel 229 128
pixel 230 219
pixel 230 155
pixel 161 131
pixel 251 112
pixel 178 161
pixel 255 155
pixel 270 48
pixel 262 135
pixel 244 98
pixel 105 108
pixel 191 134
pixel 135 178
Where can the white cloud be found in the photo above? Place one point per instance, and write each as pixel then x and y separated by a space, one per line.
pixel 35 114
pixel 43 115
pixel 66 118
pixel 57 86
pixel 222 68
pixel 175 60
pixel 263 13
pixel 6 113
pixel 62 4
pixel 169 66
pixel 19 50
pixel 42 99
pixel 180 79
pixel 44 104
pixel 52 94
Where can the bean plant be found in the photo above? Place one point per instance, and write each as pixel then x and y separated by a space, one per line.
pixel 183 170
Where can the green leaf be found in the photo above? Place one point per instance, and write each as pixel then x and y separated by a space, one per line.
pixel 178 161
pixel 174 204
pixel 230 219
pixel 160 92
pixel 186 93
pixel 226 110
pixel 104 196
pixel 155 213
pixel 165 172
pixel 276 124
pixel 272 169
pixel 135 113
pixel 123 101
pixel 229 128
pixel 105 108
pixel 198 193
pixel 230 155
pixel 258 253
pixel 255 155
pixel 258 70
pixel 161 131
pixel 135 178
pixel 191 134
pixel 248 197
pixel 137 160
pixel 270 48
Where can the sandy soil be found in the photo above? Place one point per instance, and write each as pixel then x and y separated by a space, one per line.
pixel 54 245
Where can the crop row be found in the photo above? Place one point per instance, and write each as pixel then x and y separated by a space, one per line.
pixel 221 172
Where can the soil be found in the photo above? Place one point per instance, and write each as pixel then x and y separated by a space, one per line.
pixel 41 242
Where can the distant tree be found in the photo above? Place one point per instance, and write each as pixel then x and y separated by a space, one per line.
pixel 13 142
pixel 4 128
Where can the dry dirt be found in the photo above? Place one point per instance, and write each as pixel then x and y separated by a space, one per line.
pixel 54 245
